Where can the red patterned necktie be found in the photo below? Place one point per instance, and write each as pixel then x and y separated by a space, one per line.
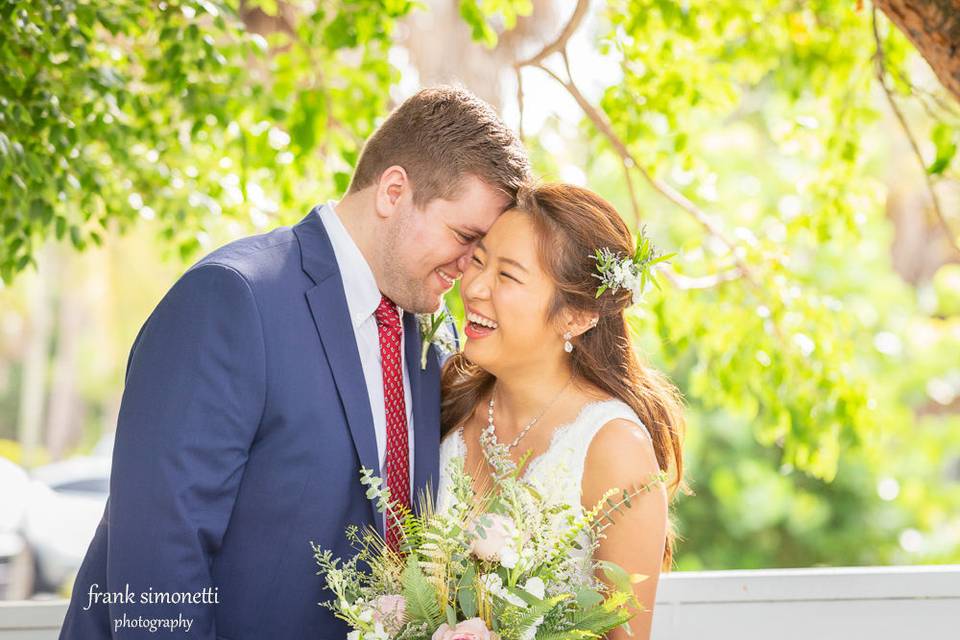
pixel 398 452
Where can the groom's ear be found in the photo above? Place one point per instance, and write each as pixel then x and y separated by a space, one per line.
pixel 391 189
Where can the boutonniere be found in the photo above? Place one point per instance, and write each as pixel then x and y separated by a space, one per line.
pixel 434 330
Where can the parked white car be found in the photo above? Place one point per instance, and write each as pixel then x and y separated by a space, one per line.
pixel 65 505
pixel 14 490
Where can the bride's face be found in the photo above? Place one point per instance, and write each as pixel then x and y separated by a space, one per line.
pixel 506 297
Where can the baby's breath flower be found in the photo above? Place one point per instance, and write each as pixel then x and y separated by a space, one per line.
pixel 618 271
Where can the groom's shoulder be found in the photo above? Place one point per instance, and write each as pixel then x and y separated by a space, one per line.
pixel 259 259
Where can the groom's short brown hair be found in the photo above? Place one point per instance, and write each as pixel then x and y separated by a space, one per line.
pixel 439 136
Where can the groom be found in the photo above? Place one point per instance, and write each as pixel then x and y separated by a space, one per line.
pixel 275 369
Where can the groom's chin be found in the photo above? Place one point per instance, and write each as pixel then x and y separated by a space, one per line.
pixel 437 306
pixel 425 303
pixel 429 304
pixel 411 298
pixel 426 308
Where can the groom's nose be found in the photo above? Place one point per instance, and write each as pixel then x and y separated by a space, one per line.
pixel 464 261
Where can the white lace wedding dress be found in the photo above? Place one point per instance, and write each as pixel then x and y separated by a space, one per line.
pixel 557 473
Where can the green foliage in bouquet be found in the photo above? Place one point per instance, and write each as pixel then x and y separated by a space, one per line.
pixel 498 561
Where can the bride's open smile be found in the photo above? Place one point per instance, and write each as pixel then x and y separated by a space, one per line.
pixel 506 296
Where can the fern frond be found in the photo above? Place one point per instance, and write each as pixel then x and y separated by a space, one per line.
pixel 421 598
pixel 527 617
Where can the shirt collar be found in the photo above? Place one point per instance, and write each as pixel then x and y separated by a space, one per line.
pixel 359 285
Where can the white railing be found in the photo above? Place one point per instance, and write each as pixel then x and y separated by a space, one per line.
pixel 31 620
pixel 875 603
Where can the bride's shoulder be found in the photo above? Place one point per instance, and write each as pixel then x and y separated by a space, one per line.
pixel 621 454
pixel 619 433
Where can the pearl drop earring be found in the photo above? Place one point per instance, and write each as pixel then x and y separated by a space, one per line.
pixel 567 345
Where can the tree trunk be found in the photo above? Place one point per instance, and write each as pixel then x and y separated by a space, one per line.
pixel 933 26
pixel 35 362
pixel 442 51
pixel 64 410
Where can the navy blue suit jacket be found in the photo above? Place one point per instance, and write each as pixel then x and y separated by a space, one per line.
pixel 244 423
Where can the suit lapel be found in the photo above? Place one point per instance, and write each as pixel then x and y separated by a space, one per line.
pixel 411 338
pixel 426 434
pixel 328 306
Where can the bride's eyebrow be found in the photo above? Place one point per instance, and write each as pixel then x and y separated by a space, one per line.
pixel 513 262
pixel 509 261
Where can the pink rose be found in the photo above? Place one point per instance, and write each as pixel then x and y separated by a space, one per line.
pixel 493 538
pixel 472 629
pixel 390 611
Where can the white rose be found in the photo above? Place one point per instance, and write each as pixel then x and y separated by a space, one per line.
pixel 494 585
pixel 492 538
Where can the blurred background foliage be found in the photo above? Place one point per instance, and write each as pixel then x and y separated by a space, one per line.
pixel 811 318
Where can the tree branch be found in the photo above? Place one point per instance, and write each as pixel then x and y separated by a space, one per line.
pixel 520 101
pixel 603 124
pixel 881 76
pixel 633 195
pixel 560 44
pixel 701 282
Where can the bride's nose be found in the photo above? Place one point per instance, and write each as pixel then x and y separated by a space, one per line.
pixel 476 285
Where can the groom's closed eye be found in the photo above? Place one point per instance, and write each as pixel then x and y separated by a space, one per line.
pixel 467 235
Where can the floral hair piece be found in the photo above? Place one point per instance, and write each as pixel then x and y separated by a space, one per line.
pixel 618 271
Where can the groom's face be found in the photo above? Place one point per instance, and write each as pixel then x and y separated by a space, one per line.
pixel 429 247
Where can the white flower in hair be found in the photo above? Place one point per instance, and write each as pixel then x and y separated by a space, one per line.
pixel 619 271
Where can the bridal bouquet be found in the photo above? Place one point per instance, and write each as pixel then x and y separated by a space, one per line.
pixel 497 564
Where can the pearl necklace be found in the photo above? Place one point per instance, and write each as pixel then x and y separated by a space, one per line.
pixel 491 430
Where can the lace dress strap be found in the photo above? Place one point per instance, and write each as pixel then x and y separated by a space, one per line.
pixel 596 414
pixel 574 440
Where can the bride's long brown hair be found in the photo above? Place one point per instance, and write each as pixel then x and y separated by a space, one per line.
pixel 571 224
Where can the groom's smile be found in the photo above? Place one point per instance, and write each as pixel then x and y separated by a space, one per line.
pixel 447 279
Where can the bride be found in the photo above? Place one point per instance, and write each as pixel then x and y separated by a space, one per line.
pixel 549 369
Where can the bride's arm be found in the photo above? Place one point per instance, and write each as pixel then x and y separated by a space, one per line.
pixel 621 455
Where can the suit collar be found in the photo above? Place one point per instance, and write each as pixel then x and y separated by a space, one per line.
pixel 317 258
pixel 363 294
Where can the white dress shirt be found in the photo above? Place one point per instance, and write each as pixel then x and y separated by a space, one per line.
pixel 363 298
